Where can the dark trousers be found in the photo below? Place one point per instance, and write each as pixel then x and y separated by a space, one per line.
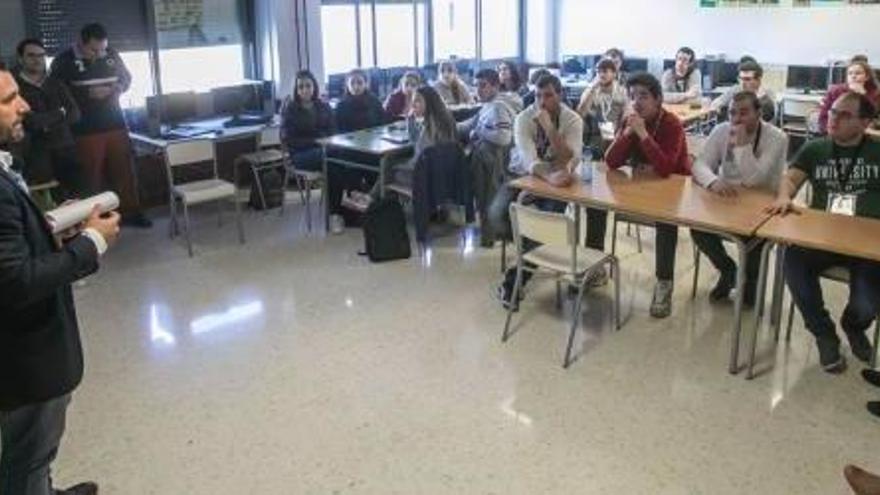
pixel 309 159
pixel 666 241
pixel 713 247
pixel 487 162
pixel 499 218
pixel 106 159
pixel 802 268
pixel 30 438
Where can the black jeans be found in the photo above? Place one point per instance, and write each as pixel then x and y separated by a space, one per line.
pixel 666 241
pixel 713 247
pixel 802 268
pixel 30 438
pixel 499 217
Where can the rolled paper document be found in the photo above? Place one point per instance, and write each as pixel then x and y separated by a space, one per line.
pixel 70 215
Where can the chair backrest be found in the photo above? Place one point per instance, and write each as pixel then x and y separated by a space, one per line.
pixel 270 137
pixel 546 228
pixel 181 153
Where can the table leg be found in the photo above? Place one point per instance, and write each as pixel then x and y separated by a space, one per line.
pixel 325 191
pixel 743 250
pixel 778 291
pixel 761 290
pixel 383 163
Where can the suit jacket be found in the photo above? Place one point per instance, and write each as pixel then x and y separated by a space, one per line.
pixel 40 351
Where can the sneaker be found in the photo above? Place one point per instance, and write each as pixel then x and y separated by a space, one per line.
pixel 872 377
pixel 503 295
pixel 860 346
pixel 356 201
pixel 723 287
pixel 874 408
pixel 598 278
pixel 337 224
pixel 661 304
pixel 829 355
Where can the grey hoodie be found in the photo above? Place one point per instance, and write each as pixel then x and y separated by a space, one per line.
pixel 494 122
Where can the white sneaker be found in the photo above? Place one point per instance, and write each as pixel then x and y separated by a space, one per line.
pixel 661 304
pixel 356 201
pixel 337 224
pixel 598 278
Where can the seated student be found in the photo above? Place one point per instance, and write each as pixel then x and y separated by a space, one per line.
pixel 511 80
pixel 684 82
pixel 429 123
pixel 743 152
pixel 450 87
pixel 399 103
pixel 653 137
pixel 750 75
pixel 842 170
pixel 616 56
pixel 490 134
pixel 304 119
pixel 548 142
pixel 358 109
pixel 537 74
pixel 603 104
pixel 860 78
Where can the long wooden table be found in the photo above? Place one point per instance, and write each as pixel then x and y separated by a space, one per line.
pixel 383 142
pixel 676 200
pixel 688 114
pixel 813 229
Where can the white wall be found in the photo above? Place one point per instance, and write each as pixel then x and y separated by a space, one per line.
pixel 290 29
pixel 781 35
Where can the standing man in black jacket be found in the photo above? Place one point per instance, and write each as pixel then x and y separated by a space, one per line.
pixel 50 152
pixel 97 76
pixel 41 359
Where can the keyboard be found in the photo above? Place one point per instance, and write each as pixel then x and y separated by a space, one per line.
pixel 247 120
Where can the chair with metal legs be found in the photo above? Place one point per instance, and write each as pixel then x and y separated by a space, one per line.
pixel 560 254
pixel 182 153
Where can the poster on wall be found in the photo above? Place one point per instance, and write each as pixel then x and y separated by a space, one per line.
pixel 833 3
pixel 739 3
pixel 172 15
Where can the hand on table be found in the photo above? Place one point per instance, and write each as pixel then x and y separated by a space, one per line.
pixel 781 207
pixel 560 178
pixel 723 189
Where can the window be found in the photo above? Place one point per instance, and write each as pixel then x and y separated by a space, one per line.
pixel 398 34
pixel 201 44
pixel 455 28
pixel 138 63
pixel 499 28
pixel 572 35
pixel 339 33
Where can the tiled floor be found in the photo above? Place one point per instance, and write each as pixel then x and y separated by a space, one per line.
pixel 291 365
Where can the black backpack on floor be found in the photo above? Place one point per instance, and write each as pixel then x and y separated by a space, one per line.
pixel 272 183
pixel 385 235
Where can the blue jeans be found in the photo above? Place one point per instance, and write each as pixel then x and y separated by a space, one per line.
pixel 30 438
pixel 802 269
pixel 311 160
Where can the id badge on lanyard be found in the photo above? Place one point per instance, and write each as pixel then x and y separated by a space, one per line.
pixel 842 204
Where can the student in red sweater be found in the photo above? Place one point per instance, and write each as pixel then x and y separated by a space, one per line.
pixel 860 78
pixel 652 137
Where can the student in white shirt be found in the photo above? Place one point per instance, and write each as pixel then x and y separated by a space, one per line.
pixel 684 82
pixel 744 152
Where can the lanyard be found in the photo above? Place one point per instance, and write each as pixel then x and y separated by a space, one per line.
pixel 845 173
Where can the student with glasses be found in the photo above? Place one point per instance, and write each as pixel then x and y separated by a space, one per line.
pixel 860 78
pixel 751 75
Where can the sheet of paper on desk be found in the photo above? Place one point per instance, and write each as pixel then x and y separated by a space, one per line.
pixel 67 216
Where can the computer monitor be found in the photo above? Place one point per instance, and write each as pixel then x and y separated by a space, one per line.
pixel 235 100
pixel 336 85
pixel 573 64
pixel 838 75
pixel 805 77
pixel 726 74
pixel 635 65
pixel 173 108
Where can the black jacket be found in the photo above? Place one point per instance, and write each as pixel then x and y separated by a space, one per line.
pixel 300 127
pixel 40 351
pixel 80 75
pixel 354 113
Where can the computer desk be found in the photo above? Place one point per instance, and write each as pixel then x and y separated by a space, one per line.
pixel 675 200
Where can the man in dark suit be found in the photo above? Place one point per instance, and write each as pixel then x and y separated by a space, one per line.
pixel 41 360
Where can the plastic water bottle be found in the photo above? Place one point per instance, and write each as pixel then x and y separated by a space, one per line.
pixel 585 170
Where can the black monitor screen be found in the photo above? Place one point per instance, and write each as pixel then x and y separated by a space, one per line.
pixel 178 107
pixel 573 65
pixel 807 77
pixel 728 74
pixel 635 65
pixel 234 100
pixel 838 75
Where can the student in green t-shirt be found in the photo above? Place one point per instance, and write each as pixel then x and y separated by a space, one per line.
pixel 844 171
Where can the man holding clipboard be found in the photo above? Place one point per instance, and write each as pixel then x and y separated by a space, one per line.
pixel 41 359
